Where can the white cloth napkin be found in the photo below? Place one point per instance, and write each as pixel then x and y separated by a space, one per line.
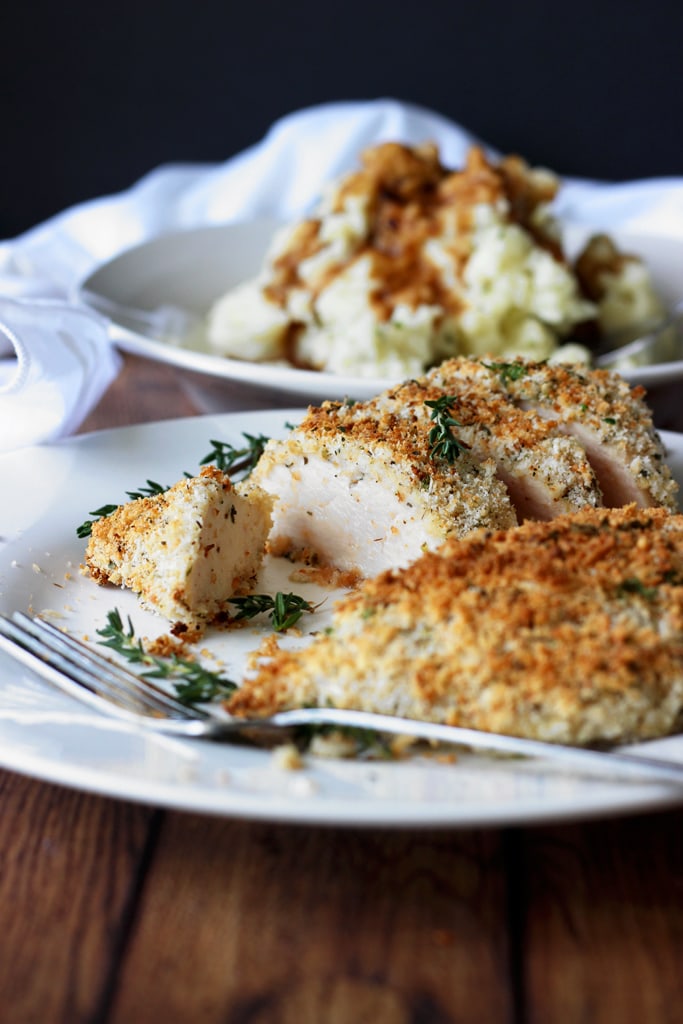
pixel 57 363
pixel 281 176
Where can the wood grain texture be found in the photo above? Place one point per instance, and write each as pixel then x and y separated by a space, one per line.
pixel 144 391
pixel 251 923
pixel 601 921
pixel 69 872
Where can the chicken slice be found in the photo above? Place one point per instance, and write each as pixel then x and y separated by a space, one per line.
pixel 186 551
pixel 546 472
pixel 355 486
pixel 359 486
pixel 609 419
pixel 570 631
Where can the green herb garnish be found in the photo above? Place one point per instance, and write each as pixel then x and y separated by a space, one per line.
pixel 443 444
pixel 193 684
pixel 632 585
pixel 285 609
pixel 508 371
pixel 85 529
pixel 367 742
pixel 146 492
pixel 234 460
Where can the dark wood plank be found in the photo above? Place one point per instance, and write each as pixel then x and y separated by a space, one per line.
pixel 601 921
pixel 70 870
pixel 245 922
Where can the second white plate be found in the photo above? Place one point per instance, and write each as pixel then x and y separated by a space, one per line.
pixel 193 268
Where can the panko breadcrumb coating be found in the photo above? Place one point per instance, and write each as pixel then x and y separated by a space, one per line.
pixel 597 409
pixel 355 487
pixel 569 631
pixel 186 551
pixel 358 486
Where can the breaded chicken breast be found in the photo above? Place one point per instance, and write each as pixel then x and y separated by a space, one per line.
pixel 365 486
pixel 568 631
pixel 355 485
pixel 186 551
pixel 609 418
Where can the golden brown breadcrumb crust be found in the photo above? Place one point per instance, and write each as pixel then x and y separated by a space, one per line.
pixel 570 631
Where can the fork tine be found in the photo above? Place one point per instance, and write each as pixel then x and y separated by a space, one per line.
pixel 75 681
pixel 82 654
pixel 90 669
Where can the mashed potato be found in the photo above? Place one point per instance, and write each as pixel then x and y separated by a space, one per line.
pixel 406 264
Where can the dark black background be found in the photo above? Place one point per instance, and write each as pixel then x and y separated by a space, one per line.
pixel 94 95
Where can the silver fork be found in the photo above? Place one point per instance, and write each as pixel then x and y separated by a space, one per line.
pixel 91 677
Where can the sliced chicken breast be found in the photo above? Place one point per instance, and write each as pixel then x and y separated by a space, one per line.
pixel 365 487
pixel 545 471
pixel 355 486
pixel 610 420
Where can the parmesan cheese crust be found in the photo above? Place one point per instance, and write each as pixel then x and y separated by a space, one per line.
pixel 569 631
pixel 186 551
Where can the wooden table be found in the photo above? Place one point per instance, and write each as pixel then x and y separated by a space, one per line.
pixel 114 912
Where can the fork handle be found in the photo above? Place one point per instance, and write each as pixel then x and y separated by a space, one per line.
pixel 586 760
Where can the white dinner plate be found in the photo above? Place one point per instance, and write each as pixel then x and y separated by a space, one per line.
pixel 47 492
pixel 193 268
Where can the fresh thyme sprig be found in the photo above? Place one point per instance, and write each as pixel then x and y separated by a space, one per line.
pixel 85 529
pixel 234 460
pixel 145 492
pixel 285 609
pixel 443 444
pixel 228 459
pixel 193 683
pixel 367 742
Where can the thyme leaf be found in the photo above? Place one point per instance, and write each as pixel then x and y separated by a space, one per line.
pixel 284 610
pixel 632 585
pixel 85 529
pixel 443 444
pixel 193 683
pixel 507 371
pixel 233 460
pixel 368 742
pixel 146 492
